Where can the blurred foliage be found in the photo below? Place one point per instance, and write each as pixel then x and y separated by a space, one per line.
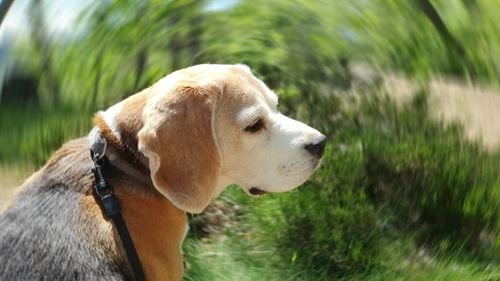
pixel 303 49
pixel 393 183
pixel 442 186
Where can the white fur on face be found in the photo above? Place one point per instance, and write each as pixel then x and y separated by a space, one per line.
pixel 273 159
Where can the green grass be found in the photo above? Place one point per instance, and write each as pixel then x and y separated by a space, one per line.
pixel 222 260
pixel 237 256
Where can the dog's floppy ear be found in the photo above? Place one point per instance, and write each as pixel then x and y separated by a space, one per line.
pixel 178 139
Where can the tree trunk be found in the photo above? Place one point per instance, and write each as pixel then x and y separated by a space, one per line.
pixel 140 63
pixel 4 8
pixel 97 79
pixel 42 46
pixel 174 45
pixel 457 57
pixel 438 23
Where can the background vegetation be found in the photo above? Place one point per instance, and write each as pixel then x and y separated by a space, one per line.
pixel 399 196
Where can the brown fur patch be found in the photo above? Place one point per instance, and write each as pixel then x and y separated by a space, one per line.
pixel 157 228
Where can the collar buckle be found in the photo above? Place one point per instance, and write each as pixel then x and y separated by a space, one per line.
pixel 102 190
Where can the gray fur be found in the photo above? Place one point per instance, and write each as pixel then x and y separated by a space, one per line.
pixel 40 234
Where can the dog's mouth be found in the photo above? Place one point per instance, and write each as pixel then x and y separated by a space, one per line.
pixel 255 191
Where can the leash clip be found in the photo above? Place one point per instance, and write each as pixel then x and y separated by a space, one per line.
pixel 102 190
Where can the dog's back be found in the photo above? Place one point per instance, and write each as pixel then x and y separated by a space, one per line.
pixel 40 234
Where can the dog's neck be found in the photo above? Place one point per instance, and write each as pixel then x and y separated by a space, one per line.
pixel 158 229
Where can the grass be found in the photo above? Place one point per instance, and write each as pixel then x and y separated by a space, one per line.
pixel 234 255
pixel 222 260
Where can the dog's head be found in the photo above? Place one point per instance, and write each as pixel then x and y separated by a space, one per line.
pixel 208 126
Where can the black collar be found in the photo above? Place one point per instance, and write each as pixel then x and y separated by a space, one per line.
pixel 105 196
pixel 122 157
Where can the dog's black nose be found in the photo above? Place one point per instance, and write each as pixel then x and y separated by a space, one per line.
pixel 317 147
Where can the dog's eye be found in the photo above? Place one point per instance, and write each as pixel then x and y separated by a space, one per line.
pixel 256 126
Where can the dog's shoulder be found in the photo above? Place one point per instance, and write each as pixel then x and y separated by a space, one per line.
pixel 42 232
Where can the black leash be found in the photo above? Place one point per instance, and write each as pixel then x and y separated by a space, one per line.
pixel 105 196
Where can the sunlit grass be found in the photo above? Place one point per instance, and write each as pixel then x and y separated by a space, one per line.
pixel 220 258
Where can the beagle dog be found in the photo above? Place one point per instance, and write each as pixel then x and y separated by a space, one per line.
pixel 172 149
